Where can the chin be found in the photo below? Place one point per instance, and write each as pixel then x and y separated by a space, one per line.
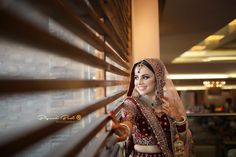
pixel 142 93
pixel 148 93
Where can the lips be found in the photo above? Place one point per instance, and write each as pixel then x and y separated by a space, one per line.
pixel 141 88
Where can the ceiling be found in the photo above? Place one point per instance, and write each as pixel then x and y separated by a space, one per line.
pixel 187 23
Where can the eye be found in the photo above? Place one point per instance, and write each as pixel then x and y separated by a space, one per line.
pixel 145 77
pixel 136 77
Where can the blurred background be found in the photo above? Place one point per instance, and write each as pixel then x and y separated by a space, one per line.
pixel 64 65
pixel 198 45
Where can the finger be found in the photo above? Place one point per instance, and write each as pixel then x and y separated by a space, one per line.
pixel 117 126
pixel 165 98
pixel 165 101
pixel 118 130
pixel 114 125
pixel 165 110
pixel 122 137
pixel 113 117
pixel 166 105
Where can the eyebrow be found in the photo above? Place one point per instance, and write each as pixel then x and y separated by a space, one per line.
pixel 143 75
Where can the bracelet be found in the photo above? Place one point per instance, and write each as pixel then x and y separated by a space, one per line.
pixel 182 122
pixel 126 127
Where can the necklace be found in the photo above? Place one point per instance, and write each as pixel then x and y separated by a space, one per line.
pixel 148 101
pixel 152 103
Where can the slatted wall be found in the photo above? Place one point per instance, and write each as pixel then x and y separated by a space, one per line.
pixel 63 66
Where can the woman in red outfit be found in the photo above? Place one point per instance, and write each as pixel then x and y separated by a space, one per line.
pixel 154 122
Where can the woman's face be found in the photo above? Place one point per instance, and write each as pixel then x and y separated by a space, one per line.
pixel 144 80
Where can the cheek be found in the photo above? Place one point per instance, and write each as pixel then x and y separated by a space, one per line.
pixel 151 86
pixel 152 83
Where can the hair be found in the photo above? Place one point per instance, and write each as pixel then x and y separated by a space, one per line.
pixel 144 63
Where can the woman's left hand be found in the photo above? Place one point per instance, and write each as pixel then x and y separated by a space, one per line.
pixel 170 110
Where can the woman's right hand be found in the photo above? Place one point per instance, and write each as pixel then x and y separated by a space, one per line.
pixel 121 131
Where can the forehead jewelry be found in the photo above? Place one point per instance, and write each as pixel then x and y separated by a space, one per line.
pixel 140 65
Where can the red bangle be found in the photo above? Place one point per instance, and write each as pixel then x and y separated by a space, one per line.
pixel 181 122
pixel 127 127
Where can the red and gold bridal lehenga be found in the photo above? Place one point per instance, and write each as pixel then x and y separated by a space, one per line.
pixel 149 127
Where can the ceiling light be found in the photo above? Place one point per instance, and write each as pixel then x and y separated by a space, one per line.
pixel 213 38
pixel 232 75
pixel 190 59
pixel 187 88
pixel 198 48
pixel 197 76
pixel 232 23
pixel 206 60
pixel 214 84
pixel 232 26
pixel 194 88
pixel 193 54
pixel 220 58
pixel 230 87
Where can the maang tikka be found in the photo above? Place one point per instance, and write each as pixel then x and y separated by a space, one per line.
pixel 139 66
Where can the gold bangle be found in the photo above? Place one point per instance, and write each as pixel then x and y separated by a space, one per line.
pixel 182 122
pixel 126 127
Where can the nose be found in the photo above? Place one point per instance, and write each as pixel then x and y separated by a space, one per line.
pixel 140 81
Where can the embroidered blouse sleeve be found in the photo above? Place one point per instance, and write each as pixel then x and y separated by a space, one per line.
pixel 181 128
pixel 129 110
